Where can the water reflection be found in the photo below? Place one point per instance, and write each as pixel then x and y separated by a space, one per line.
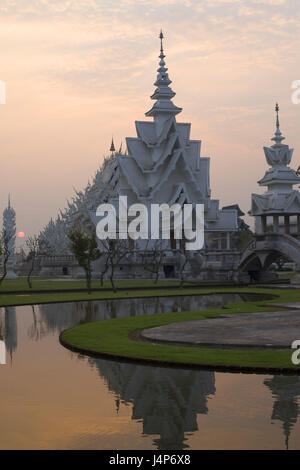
pixel 166 400
pixel 73 313
pixel 9 328
pixel 285 391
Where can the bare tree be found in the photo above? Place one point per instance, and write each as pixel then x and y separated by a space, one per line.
pixel 152 259
pixel 114 252
pixel 5 251
pixel 183 260
pixel 105 268
pixel 36 247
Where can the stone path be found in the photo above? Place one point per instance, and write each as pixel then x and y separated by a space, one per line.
pixel 274 330
pixel 292 305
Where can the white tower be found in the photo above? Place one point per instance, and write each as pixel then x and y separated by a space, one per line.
pixel 280 202
pixel 9 225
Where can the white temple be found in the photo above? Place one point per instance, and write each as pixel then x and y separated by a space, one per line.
pixel 280 204
pixel 161 165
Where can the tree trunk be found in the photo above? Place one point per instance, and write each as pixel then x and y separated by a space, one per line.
pixel 182 275
pixel 88 276
pixel 29 274
pixel 112 279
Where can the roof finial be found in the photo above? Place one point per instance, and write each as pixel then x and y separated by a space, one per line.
pixel 278 136
pixel 161 36
pixel 163 93
pixel 277 117
pixel 112 147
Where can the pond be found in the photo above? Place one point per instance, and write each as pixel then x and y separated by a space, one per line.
pixel 52 398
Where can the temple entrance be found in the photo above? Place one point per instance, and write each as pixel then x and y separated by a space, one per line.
pixel 65 271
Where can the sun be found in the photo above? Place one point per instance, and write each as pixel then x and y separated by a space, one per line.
pixel 21 234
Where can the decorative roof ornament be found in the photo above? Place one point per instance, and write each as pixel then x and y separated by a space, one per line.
pixel 278 136
pixel 163 93
pixel 278 155
pixel 112 146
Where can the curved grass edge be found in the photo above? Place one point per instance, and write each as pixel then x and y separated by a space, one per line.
pixel 15 300
pixel 111 339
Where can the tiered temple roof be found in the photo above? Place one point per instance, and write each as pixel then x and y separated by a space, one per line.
pixel 163 164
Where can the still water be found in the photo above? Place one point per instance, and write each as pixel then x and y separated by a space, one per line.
pixel 52 398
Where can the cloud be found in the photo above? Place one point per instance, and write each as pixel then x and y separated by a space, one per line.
pixel 78 69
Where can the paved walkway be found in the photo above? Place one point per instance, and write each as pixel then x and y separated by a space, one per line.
pixel 274 330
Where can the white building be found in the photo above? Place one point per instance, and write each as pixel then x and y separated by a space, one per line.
pixel 162 164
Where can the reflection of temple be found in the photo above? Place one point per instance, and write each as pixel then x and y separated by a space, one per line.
pixel 166 400
pixel 9 330
pixel 285 390
pixel 52 320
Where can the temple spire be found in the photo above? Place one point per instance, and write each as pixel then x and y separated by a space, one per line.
pixel 161 36
pixel 163 93
pixel 278 136
pixel 112 146
pixel 279 154
pixel 277 116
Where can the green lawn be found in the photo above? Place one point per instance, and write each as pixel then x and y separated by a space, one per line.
pixel 45 298
pixel 111 337
pixel 77 291
pixel 52 284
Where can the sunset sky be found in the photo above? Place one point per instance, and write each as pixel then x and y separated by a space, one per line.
pixel 78 71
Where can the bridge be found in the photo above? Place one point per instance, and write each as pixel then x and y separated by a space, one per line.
pixel 265 249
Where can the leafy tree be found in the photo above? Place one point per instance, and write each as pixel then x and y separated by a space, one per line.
pixel 85 249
